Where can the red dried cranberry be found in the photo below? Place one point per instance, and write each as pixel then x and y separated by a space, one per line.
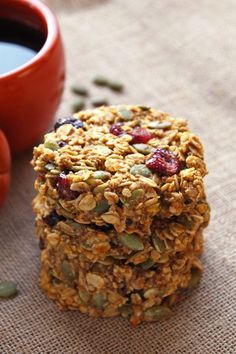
pixel 116 129
pixel 140 136
pixel 164 162
pixel 52 218
pixel 69 120
pixel 63 188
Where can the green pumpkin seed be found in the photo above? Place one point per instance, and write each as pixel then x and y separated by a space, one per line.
pixel 144 108
pixel 99 300
pixel 126 310
pixel 183 219
pixel 131 241
pixel 84 295
pixel 79 90
pixel 100 80
pixel 143 148
pixel 67 271
pixel 86 246
pixel 49 166
pixel 100 101
pixel 115 85
pixel 124 113
pixel 147 264
pixel 101 175
pixel 8 289
pixel 101 207
pixel 158 244
pixel 153 292
pixel 52 145
pixel 78 106
pixel 120 257
pixel 195 278
pixel 55 281
pixel 159 125
pixel 140 170
pixel 100 188
pixel 136 195
pixel 156 313
pixel 74 225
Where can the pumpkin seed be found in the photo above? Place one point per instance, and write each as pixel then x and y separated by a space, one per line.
pixel 86 246
pixel 152 292
pixel 143 148
pixel 156 313
pixel 136 195
pixel 100 80
pixel 158 244
pixel 99 300
pixel 131 241
pixel 100 101
pixel 79 90
pixel 74 225
pixel 8 289
pixel 196 275
pixel 67 271
pixel 84 295
pixel 49 166
pixel 183 219
pixel 140 170
pixel 101 175
pixel 56 281
pixel 101 207
pixel 159 125
pixel 124 113
pixel 126 310
pixel 52 145
pixel 120 257
pixel 78 106
pixel 115 85
pixel 100 188
pixel 147 264
pixel 144 108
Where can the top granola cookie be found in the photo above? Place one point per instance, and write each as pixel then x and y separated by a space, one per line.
pixel 121 165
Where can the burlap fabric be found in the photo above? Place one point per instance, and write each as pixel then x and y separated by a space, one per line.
pixel 175 55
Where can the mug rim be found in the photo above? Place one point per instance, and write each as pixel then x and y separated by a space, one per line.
pixel 52 35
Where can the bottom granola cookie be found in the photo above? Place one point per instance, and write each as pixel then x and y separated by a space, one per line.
pixel 90 269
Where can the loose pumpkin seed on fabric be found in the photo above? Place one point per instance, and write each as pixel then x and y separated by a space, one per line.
pixel 8 289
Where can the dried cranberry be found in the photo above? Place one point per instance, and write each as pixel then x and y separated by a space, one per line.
pixel 116 129
pixel 52 218
pixel 63 188
pixel 140 136
pixel 164 162
pixel 62 143
pixel 69 120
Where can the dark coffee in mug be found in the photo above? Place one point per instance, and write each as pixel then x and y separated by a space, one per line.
pixel 19 43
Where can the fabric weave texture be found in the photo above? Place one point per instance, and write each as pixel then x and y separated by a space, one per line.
pixel 178 56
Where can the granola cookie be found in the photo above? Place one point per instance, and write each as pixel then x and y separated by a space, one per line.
pixel 120 212
pixel 121 166
pixel 101 274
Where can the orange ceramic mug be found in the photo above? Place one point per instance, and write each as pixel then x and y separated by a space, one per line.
pixel 30 93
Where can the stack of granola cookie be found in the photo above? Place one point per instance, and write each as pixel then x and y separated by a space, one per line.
pixel 120 211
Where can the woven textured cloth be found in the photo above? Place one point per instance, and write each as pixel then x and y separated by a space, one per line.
pixel 178 56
